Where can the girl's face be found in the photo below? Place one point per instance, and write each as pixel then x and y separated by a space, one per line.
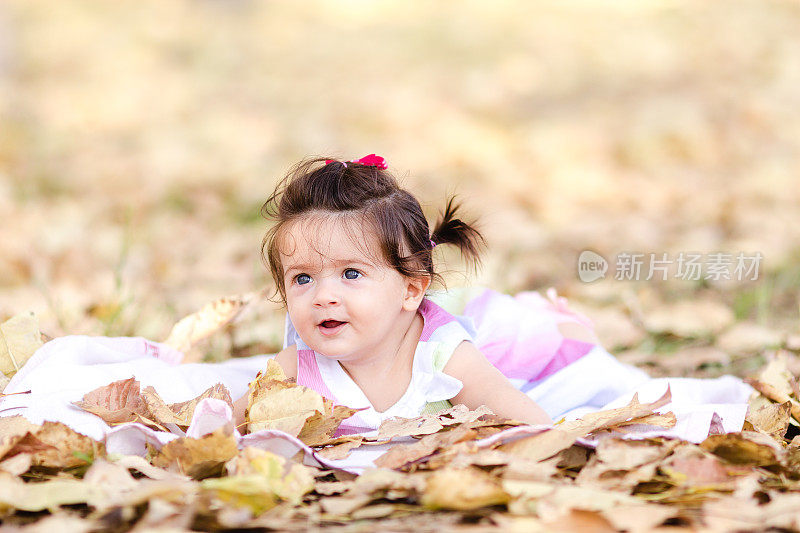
pixel 343 300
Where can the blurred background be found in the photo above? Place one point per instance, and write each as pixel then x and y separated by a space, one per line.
pixel 138 140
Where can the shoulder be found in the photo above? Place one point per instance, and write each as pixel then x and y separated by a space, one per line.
pixel 466 362
pixel 287 358
pixel 441 326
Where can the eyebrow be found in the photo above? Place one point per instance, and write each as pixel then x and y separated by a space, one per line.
pixel 341 262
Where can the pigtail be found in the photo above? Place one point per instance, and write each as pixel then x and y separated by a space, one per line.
pixel 452 230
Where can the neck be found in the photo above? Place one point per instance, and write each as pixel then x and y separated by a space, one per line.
pixel 395 355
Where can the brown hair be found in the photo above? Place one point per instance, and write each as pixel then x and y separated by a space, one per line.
pixel 373 195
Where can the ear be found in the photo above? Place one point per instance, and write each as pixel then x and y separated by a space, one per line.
pixel 415 292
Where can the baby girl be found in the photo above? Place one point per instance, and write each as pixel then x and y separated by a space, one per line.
pixel 351 256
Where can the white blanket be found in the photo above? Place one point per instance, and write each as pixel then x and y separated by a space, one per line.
pixel 65 369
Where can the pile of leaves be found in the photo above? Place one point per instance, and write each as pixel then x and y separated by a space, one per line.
pixel 444 470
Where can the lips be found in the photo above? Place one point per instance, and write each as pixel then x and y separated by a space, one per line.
pixel 330 326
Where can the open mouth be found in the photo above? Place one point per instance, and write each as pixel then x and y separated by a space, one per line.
pixel 329 327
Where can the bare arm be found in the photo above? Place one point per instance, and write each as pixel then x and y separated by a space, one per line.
pixel 287 358
pixel 486 385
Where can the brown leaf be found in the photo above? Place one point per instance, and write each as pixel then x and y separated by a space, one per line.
pixel 56 445
pixel 689 318
pixel 746 447
pixel 109 475
pixel 344 505
pixel 11 426
pixel 402 454
pixel 662 420
pixel 319 428
pixel 201 324
pixel 198 458
pixel 623 454
pixel 772 419
pixel 776 383
pixel 140 464
pixel 432 423
pixel 463 489
pixel 748 337
pixel 180 413
pixel 548 443
pixel 117 402
pixel 16 465
pixel 583 520
pixel 691 467
pixel 341 450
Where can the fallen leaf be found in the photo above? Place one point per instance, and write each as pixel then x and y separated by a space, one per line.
pixel 771 419
pixel 746 448
pixel 180 413
pixel 430 423
pixel 55 445
pixel 775 382
pixel 36 497
pixel 403 454
pixel 662 420
pixel 141 465
pixel 117 402
pixel 689 318
pixel 201 324
pixel 19 339
pixel 624 454
pixel 109 476
pixel 166 516
pixel 548 443
pixel 319 428
pixel 16 425
pixel 340 451
pixel 198 458
pixel 260 480
pixel 463 490
pixel 275 402
pixel 747 337
pixel 344 505
pixel 17 464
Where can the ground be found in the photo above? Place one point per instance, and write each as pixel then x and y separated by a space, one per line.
pixel 139 140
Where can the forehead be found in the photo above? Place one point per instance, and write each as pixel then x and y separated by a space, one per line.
pixel 318 238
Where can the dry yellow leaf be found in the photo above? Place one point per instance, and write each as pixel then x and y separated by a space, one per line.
pixel 260 479
pixel 275 402
pixel 319 428
pixel 463 490
pixel 212 317
pixel 56 445
pixel 198 458
pixel 548 443
pixel 181 413
pixel 771 419
pixel 746 447
pixel 19 339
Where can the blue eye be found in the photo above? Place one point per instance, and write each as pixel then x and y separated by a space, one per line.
pixel 302 279
pixel 352 273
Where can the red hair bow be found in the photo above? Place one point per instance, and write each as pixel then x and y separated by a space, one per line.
pixel 370 160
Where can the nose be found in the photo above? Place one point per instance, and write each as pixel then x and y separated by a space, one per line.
pixel 326 293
